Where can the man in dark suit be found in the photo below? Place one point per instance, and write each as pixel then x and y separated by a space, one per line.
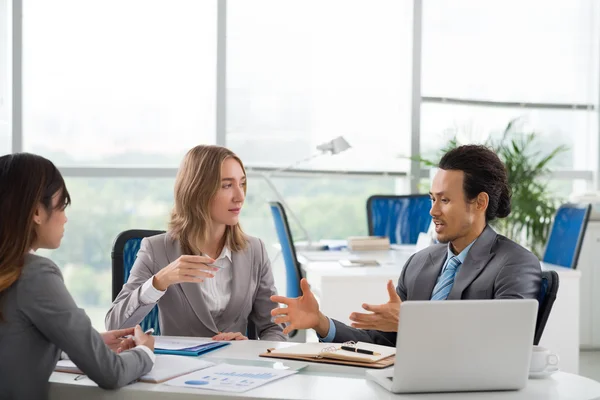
pixel 472 261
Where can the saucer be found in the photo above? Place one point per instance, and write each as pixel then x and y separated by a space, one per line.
pixel 542 374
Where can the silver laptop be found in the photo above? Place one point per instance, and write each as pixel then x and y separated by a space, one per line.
pixel 461 345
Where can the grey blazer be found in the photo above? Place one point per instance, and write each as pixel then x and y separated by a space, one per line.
pixel 495 268
pixel 182 310
pixel 40 319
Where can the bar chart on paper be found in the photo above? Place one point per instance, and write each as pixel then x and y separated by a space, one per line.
pixel 266 375
pixel 230 378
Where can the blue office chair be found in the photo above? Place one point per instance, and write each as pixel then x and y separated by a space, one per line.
pixel 546 297
pixel 293 271
pixel 123 256
pixel 566 235
pixel 401 218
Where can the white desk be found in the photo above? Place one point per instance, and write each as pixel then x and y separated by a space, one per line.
pixel 316 382
pixel 342 290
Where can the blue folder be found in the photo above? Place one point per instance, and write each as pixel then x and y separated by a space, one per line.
pixel 193 351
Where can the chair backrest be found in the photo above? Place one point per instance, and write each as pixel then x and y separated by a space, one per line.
pixel 293 272
pixel 401 218
pixel 548 291
pixel 123 256
pixel 566 235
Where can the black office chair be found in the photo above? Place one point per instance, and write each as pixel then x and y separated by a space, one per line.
pixel 123 255
pixel 548 291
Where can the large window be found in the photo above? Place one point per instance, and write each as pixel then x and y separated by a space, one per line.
pixel 112 82
pixel 5 76
pixel 300 73
pixel 513 51
pixel 111 85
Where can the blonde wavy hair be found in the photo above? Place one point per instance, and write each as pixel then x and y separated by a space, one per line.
pixel 198 181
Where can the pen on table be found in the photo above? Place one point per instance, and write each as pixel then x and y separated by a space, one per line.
pixel 147 332
pixel 362 351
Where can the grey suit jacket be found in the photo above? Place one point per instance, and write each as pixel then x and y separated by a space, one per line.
pixel 182 309
pixel 40 319
pixel 495 268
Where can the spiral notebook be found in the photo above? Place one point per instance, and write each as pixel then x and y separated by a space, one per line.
pixel 334 354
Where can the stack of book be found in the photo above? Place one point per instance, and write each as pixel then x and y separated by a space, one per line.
pixel 368 243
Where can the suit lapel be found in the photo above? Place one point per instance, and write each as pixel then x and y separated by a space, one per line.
pixel 192 290
pixel 477 258
pixel 240 285
pixel 427 277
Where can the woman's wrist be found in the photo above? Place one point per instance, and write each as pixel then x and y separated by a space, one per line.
pixel 158 284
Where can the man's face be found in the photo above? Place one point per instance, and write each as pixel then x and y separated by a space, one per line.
pixel 453 216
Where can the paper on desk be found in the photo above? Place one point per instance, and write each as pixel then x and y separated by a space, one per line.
pixel 166 343
pixel 229 378
pixel 165 367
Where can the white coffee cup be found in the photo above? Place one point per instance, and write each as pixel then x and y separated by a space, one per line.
pixel 542 359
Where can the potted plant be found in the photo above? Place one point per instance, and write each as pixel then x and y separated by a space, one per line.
pixel 532 205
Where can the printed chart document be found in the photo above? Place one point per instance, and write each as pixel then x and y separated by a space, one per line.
pixel 229 378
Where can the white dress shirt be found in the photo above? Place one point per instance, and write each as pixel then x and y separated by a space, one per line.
pixel 216 291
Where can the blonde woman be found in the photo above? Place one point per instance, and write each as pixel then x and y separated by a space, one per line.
pixel 207 277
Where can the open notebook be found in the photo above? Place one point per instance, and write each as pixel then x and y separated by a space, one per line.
pixel 334 354
pixel 166 367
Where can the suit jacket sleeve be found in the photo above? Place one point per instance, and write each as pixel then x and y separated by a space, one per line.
pixel 346 333
pixel 128 310
pixel 262 306
pixel 45 301
pixel 519 279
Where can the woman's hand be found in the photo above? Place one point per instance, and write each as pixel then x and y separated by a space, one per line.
pixel 117 341
pixel 141 338
pixel 186 268
pixel 225 336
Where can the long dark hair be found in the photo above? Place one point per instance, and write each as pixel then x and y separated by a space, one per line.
pixel 484 172
pixel 26 181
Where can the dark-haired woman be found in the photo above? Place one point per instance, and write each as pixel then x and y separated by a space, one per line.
pixel 38 317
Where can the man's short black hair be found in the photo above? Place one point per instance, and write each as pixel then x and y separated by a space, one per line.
pixel 484 172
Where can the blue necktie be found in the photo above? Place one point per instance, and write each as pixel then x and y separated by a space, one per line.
pixel 444 284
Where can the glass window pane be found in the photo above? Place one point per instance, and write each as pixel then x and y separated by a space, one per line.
pixel 118 82
pixel 294 81
pixel 5 76
pixel 101 209
pixel 575 129
pixel 512 50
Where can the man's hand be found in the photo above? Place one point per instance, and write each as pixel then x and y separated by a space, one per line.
pixel 116 341
pixel 226 336
pixel 383 317
pixel 301 312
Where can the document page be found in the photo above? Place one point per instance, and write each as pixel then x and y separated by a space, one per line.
pixel 167 343
pixel 229 378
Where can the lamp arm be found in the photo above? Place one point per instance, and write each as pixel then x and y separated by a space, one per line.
pixel 291 166
pixel 287 208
